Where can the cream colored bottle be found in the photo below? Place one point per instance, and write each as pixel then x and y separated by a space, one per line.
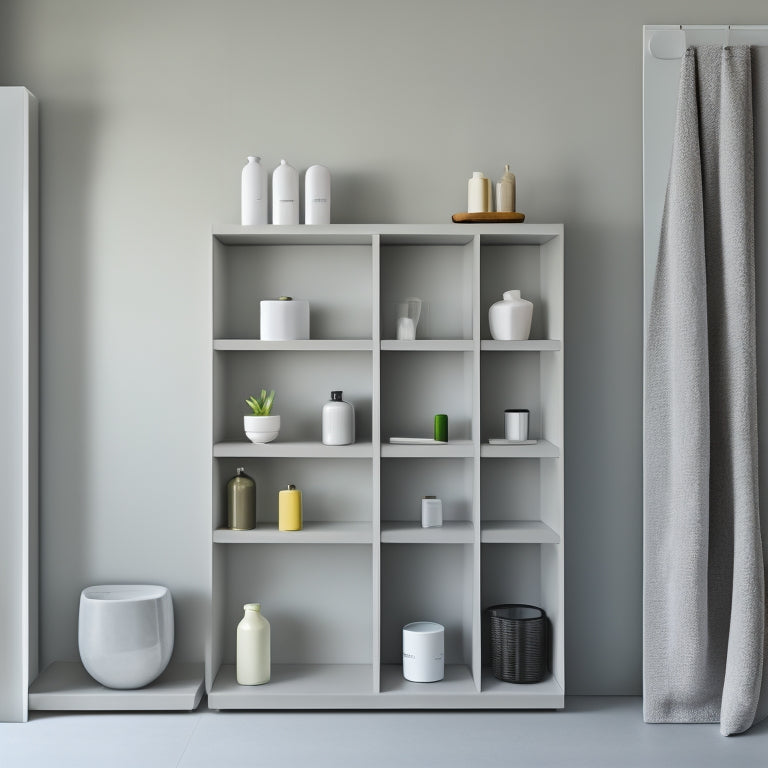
pixel 253 654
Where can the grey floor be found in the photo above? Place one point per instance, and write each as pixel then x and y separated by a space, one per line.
pixel 592 731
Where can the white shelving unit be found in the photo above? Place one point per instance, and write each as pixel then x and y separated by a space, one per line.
pixel 338 592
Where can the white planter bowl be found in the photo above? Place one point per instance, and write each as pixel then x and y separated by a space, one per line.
pixel 261 429
pixel 125 633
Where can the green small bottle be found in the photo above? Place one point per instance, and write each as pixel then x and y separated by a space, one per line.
pixel 241 502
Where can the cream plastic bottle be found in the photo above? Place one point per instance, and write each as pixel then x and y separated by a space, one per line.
pixel 505 192
pixel 477 195
pixel 317 195
pixel 253 647
pixel 253 193
pixel 285 194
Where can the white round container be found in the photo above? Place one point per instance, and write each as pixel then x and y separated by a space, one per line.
pixel 338 421
pixel 284 319
pixel 431 512
pixel 516 424
pixel 125 633
pixel 423 652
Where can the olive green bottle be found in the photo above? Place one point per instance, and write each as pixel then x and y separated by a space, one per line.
pixel 241 502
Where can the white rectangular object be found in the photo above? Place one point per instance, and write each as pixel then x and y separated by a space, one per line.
pixel 18 398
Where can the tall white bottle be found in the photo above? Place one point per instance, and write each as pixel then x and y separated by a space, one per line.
pixel 253 647
pixel 285 194
pixel 253 193
pixel 317 195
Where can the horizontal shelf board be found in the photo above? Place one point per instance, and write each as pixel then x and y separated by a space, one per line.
pixel 548 694
pixel 517 532
pixel 403 532
pixel 65 685
pixel 307 345
pixel 296 686
pixel 453 449
pixel 299 234
pixel 542 450
pixel 390 234
pixel 299 450
pixel 457 682
pixel 312 533
pixel 427 345
pixel 531 345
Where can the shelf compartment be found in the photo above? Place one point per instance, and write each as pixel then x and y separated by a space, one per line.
pixel 65 685
pixel 312 533
pixel 316 597
pixel 427 345
pixel 253 266
pixel 453 449
pixel 416 387
pixel 303 381
pixel 298 449
pixel 422 582
pixel 529 345
pixel 404 532
pixel 405 482
pixel 293 345
pixel 296 686
pixel 548 694
pixel 517 532
pixel 440 274
pixel 543 449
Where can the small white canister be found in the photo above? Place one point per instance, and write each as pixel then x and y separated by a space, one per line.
pixel 516 424
pixel 431 512
pixel 423 652
pixel 284 319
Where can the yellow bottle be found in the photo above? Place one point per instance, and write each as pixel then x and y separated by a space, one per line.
pixel 289 509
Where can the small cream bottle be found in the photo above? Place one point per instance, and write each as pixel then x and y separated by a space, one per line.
pixel 253 652
pixel 253 193
pixel 285 194
pixel 478 193
pixel 505 192
pixel 317 195
pixel 338 421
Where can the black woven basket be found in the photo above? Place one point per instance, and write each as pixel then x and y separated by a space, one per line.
pixel 519 642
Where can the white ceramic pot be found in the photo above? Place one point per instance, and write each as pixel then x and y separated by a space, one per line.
pixel 125 633
pixel 510 319
pixel 261 429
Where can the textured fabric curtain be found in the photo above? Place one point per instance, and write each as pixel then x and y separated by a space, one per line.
pixel 704 606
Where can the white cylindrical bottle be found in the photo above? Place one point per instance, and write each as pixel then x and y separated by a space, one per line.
pixel 253 651
pixel 338 421
pixel 477 198
pixel 253 193
pixel 317 195
pixel 285 194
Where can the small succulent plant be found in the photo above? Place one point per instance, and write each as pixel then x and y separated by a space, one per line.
pixel 263 405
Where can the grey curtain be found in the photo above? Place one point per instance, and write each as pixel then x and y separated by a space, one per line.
pixel 704 603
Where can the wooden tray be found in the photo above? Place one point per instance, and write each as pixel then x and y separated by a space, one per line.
pixel 488 217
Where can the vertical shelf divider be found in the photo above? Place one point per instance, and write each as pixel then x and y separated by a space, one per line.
pixel 476 549
pixel 376 460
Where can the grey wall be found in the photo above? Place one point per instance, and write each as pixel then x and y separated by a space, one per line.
pixel 148 110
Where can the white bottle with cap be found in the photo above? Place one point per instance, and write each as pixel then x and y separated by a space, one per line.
pixel 253 193
pixel 285 194
pixel 338 420
pixel 317 195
